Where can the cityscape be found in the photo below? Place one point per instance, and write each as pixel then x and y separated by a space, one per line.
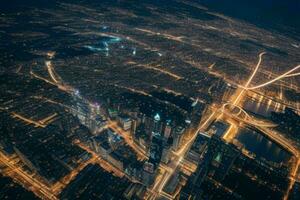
pixel 150 100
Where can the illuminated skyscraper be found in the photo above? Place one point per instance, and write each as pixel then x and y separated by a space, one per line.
pixel 157 126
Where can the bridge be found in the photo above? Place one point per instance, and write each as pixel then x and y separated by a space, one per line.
pixel 241 114
pixel 231 109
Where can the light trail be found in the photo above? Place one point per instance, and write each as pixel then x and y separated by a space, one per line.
pixel 49 68
pixel 248 117
pixel 256 69
pixel 30 121
pixel 282 142
pixel 64 181
pixel 42 78
pixel 60 104
pixel 57 80
pixel 276 79
pixel 47 119
pixel 250 79
pixel 227 136
pixel 180 153
pixel 292 75
pixel 275 137
pixel 160 184
pixel 34 185
pixel 180 156
pixel 163 71
pixel 164 35
pixel 133 90
pixel 293 180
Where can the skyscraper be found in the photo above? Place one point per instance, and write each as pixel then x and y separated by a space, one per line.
pixel 167 131
pixel 220 157
pixel 178 133
pixel 157 126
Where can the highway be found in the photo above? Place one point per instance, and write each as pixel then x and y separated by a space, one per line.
pixel 293 178
pixel 64 181
pixel 50 71
pixel 160 182
pixel 161 69
pixel 103 163
pixel 42 78
pixel 168 171
pixel 96 159
pixel 27 120
pixel 268 132
pixel 247 117
pixel 237 99
pixel 285 75
pixel 157 188
pixel 33 184
pixel 40 123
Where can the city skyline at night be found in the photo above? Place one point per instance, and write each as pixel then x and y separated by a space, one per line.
pixel 150 100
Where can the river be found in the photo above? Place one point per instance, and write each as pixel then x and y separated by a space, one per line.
pixel 260 145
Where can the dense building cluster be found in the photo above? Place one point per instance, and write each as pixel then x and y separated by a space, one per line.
pixel 117 100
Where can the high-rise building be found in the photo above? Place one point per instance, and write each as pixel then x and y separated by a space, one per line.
pixel 167 131
pixel 133 127
pixel 157 126
pixel 125 123
pixel 220 157
pixel 113 113
pixel 178 133
pixel 148 173
pixel 165 156
pixel 155 150
pixel 91 123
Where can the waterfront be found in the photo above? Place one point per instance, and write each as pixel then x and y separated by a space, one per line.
pixel 258 144
pixel 262 106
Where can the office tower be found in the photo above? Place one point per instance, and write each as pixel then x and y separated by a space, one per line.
pixel 220 157
pixel 125 123
pixel 148 173
pixel 165 156
pixel 167 131
pixel 178 133
pixel 157 126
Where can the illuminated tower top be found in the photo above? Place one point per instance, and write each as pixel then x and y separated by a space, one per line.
pixel 157 117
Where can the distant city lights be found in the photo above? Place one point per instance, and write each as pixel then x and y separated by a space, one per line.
pixel 134 51
pixel 77 92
